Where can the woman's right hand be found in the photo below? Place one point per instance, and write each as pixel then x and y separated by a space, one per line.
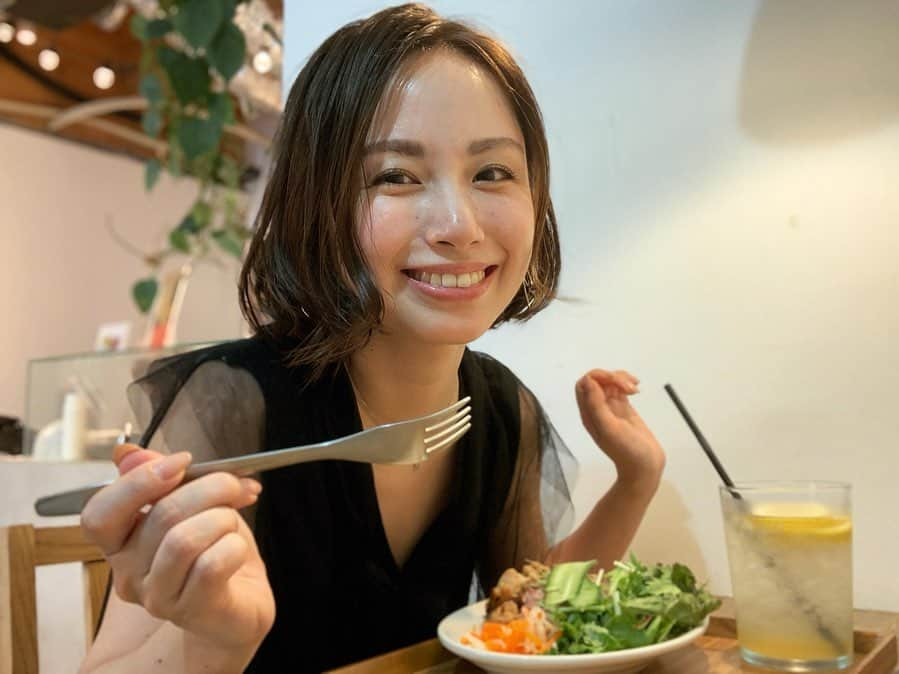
pixel 190 559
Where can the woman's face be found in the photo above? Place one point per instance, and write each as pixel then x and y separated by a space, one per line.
pixel 447 220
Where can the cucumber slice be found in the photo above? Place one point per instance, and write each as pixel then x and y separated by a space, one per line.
pixel 564 582
pixel 588 594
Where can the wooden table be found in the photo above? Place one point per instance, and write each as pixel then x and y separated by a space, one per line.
pixel 429 657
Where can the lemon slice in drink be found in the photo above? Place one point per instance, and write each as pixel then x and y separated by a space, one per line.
pixel 790 510
pixel 801 521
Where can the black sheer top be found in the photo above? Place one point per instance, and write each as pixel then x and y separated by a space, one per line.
pixel 340 596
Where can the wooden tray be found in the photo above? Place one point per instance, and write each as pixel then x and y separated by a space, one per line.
pixel 714 653
pixel 717 652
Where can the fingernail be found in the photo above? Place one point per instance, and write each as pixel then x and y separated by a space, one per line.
pixel 120 451
pixel 251 485
pixel 172 465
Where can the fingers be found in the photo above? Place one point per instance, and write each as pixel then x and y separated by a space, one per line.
pixel 621 380
pixel 212 569
pixel 210 491
pixel 182 545
pixel 128 457
pixel 119 452
pixel 590 398
pixel 110 515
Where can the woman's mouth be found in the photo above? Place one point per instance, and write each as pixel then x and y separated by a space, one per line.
pixel 445 281
pixel 448 280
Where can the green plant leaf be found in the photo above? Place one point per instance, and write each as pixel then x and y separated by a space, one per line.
pixel 144 292
pixel 201 214
pixel 228 242
pixel 166 56
pixel 198 136
pixel 189 76
pixel 229 171
pixel 151 88
pixel 151 122
pixel 138 26
pixel 201 166
pixel 189 224
pixel 227 51
pixel 228 7
pixel 221 108
pixel 158 28
pixel 151 173
pixel 176 157
pixel 178 240
pixel 198 21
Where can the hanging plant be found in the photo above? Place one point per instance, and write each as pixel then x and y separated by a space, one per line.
pixel 190 51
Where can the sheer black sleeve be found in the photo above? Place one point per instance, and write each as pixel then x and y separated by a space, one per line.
pixel 201 403
pixel 535 475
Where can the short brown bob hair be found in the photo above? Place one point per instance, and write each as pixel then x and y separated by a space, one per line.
pixel 305 276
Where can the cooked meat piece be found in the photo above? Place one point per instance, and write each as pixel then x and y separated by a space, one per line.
pixel 515 589
pixel 509 586
pixel 505 612
pixel 535 572
pixel 532 596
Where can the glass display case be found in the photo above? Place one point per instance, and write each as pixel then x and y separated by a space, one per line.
pixel 76 405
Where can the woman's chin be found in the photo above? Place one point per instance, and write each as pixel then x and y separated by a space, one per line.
pixel 448 332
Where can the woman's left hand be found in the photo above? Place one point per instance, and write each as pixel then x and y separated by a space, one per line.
pixel 618 430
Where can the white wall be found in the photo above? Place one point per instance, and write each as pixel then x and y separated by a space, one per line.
pixel 725 178
pixel 61 273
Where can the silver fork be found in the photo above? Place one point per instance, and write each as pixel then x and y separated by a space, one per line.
pixel 402 442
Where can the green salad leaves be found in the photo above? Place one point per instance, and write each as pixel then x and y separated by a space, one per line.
pixel 632 605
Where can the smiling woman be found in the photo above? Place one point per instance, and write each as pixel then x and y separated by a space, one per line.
pixel 447 216
pixel 407 213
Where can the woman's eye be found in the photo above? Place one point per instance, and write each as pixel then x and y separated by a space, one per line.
pixel 394 178
pixel 494 174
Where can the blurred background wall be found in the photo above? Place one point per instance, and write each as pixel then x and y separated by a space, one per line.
pixel 725 180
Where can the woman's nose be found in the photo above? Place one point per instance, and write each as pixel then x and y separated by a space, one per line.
pixel 453 221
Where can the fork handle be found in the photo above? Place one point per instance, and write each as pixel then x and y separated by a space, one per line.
pixel 72 502
pixel 68 502
pixel 279 458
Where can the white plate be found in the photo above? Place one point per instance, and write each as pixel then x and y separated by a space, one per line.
pixel 451 629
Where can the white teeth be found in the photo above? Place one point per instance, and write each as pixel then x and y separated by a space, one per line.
pixel 450 280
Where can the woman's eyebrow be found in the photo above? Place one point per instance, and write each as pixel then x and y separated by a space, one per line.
pixel 413 148
pixel 485 144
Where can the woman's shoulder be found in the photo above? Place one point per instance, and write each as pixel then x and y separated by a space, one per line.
pixel 494 372
pixel 484 372
pixel 486 365
pixel 484 375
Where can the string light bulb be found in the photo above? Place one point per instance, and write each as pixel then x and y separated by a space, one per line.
pixel 7 31
pixel 262 62
pixel 26 37
pixel 104 77
pixel 48 59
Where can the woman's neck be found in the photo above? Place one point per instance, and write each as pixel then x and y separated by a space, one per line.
pixel 394 382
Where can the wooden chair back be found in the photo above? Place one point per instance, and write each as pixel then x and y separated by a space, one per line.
pixel 23 548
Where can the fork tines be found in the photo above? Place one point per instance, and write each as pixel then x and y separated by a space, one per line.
pixel 450 429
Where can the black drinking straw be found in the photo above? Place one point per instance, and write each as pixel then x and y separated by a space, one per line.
pixel 804 604
pixel 702 441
